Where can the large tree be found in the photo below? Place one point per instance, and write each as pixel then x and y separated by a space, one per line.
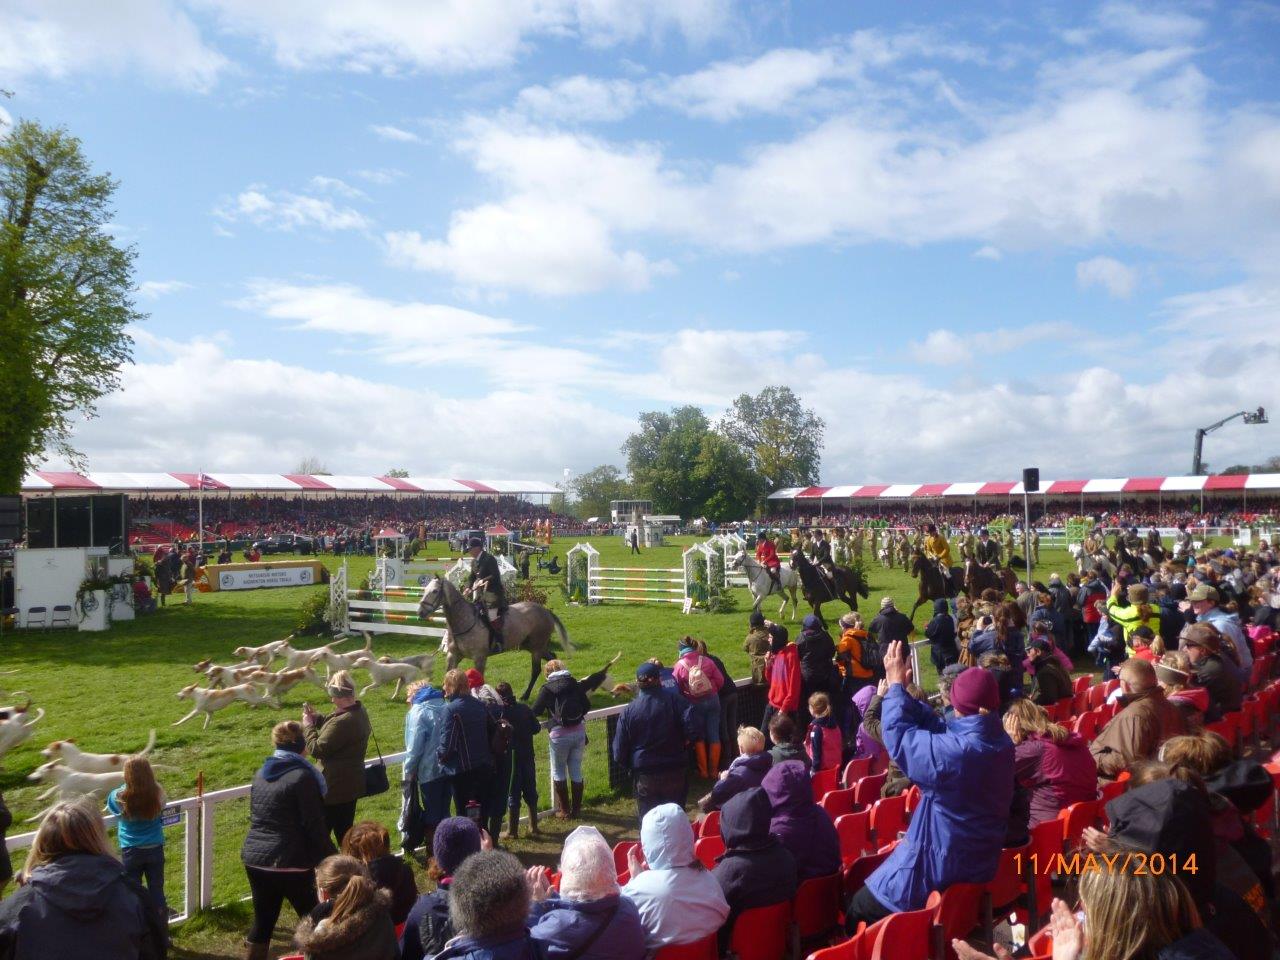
pixel 65 295
pixel 781 437
pixel 596 488
pixel 676 460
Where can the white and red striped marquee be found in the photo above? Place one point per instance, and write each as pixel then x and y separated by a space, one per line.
pixel 1112 486
pixel 56 481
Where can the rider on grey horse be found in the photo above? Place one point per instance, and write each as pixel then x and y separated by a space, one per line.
pixel 492 595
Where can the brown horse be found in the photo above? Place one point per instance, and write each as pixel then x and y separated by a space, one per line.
pixel 933 585
pixel 978 578
pixel 819 589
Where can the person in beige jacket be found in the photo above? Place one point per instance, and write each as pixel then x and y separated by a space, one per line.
pixel 1136 732
pixel 339 742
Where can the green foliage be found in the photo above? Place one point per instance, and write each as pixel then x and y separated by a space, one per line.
pixel 576 586
pixel 313 615
pixel 781 438
pixel 527 590
pixel 596 488
pixel 398 473
pixel 65 295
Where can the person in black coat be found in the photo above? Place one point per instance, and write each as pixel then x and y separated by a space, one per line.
pixel 523 783
pixel 755 870
pixel 370 843
pixel 1049 681
pixel 817 652
pixel 941 634
pixel 288 835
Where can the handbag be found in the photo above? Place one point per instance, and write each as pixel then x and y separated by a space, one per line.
pixel 375 775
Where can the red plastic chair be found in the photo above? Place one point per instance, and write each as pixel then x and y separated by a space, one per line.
pixel 823 782
pixel 1109 791
pixel 1111 685
pixel 956 911
pixel 867 790
pixel 1087 725
pixel 1086 813
pixel 620 856
pixel 762 933
pixel 854 831
pixel 837 803
pixel 1097 695
pixel 1082 683
pixel 888 816
pixel 880 762
pixel 914 795
pixel 817 907
pixel 710 825
pixel 1079 703
pixel 1040 946
pixel 708 948
pixel 707 849
pixel 855 770
pixel 857 947
pixel 1046 845
pixel 905 936
pixel 856 873
pixel 1002 894
pixel 399 930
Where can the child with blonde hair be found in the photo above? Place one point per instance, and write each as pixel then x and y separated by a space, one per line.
pixel 746 771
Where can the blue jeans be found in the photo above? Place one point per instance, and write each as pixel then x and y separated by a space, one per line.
pixel 706 719
pixel 566 755
pixel 148 863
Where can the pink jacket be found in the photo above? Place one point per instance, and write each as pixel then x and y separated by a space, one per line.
pixel 681 674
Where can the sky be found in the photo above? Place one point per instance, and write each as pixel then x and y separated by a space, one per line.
pixel 478 238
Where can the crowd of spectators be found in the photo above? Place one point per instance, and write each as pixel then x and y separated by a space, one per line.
pixel 983 767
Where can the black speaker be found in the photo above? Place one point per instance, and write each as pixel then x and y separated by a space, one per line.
pixel 10 518
pixel 1031 479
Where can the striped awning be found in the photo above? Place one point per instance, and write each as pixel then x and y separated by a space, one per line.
pixel 1052 488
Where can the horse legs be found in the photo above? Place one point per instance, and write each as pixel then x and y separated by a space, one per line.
pixel 535 661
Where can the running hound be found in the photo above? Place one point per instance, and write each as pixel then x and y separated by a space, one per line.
pixel 79 760
pixel 282 681
pixel 208 700
pixel 296 659
pixel 263 654
pixel 342 661
pixel 16 726
pixel 69 784
pixel 382 671
pixel 222 676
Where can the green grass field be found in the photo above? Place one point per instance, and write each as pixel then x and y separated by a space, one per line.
pixel 108 690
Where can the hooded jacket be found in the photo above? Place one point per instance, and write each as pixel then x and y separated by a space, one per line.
pixel 755 870
pixel 865 745
pixel 422 732
pixel 964 768
pixel 564 698
pixel 565 928
pixel 79 905
pixel 1049 682
pixel 464 745
pixel 1220 679
pixel 784 680
pixel 287 827
pixel 1199 944
pixel 941 631
pixel 1055 775
pixel 516 946
pixel 678 899
pixel 709 670
pixel 652 731
pixel 817 652
pixel 746 771
pixel 339 742
pixel 365 934
pixel 1136 732
pixel 801 825
pixel 428 927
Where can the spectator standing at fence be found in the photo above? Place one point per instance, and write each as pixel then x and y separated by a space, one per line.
pixel 565 701
pixel 756 646
pixel 523 781
pixel 818 673
pixel 339 742
pixel 352 920
pixel 73 898
pixel 941 634
pixel 138 804
pixel 783 671
pixel 964 768
pixel 464 753
pixel 699 681
pixel 728 695
pixel 650 741
pixel 428 927
pixel 891 625
pixel 423 729
pixel 288 835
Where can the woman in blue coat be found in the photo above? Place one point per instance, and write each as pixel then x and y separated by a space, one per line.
pixel 964 769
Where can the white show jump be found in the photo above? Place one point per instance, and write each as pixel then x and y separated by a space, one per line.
pixel 381 610
pixel 633 584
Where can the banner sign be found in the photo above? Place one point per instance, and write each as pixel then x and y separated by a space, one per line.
pixel 270 577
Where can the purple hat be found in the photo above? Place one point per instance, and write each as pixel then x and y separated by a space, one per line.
pixel 974 689
pixel 456 838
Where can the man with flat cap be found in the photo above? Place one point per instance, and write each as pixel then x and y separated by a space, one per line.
pixel 652 739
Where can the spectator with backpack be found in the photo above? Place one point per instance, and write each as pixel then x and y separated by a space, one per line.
pixel 699 681
pixel 523 781
pixel 857 655
pixel 494 803
pixel 564 700
pixel 465 753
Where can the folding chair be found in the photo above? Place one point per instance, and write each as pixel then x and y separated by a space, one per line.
pixel 1046 845
pixel 913 799
pixel 61 615
pixel 1087 725
pixel 1040 946
pixel 905 936
pixel 710 825
pixel 823 782
pixel 1109 791
pixel 708 948
pixel 837 803
pixel 42 613
pixel 620 850
pixel 856 873
pixel 707 849
pixel 10 612
pixel 1097 695
pixel 854 831
pixel 888 816
pixel 1001 895
pixel 762 933
pixel 855 770
pixel 867 790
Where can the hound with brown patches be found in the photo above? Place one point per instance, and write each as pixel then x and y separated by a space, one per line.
pixel 208 700
pixel 263 654
pixel 282 681
pixel 382 672
pixel 77 759
pixel 222 676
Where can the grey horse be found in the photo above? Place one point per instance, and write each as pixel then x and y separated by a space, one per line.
pixel 527 626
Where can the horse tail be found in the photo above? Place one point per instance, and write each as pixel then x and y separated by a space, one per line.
pixel 564 634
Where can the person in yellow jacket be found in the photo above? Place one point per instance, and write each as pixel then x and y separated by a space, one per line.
pixel 1134 613
pixel 937 549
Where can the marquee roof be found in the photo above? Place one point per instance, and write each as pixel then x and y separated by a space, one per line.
pixel 53 481
pixel 998 488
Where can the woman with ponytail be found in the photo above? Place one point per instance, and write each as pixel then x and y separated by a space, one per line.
pixel 353 919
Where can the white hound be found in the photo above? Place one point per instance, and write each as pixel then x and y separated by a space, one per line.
pixel 69 784
pixel 224 676
pixel 208 700
pixel 263 654
pixel 382 672
pixel 77 759
pixel 342 661
pixel 294 659
pixel 16 726
pixel 282 681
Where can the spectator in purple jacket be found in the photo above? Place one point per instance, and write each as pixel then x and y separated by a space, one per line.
pixel 803 827
pixel 1052 766
pixel 746 771
pixel 865 745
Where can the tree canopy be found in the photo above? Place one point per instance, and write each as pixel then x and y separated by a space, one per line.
pixel 594 490
pixel 65 295
pixel 781 437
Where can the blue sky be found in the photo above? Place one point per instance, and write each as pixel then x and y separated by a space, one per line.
pixel 476 239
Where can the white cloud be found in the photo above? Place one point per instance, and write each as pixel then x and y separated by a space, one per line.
pixel 336 186
pixel 1109 274
pixel 1149 23
pixel 396 134
pixel 382 176
pixel 282 210
pixel 988 252
pixel 766 84
pixel 155 289
pixel 59 39
pixel 580 99
pixel 394 36
pixel 945 347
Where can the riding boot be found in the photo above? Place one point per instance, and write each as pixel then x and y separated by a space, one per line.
pixel 533 820
pixel 700 750
pixel 576 810
pixel 561 790
pixel 513 829
pixel 713 760
pixel 494 827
